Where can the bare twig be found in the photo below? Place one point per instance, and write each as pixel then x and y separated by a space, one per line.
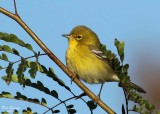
pixel 15 8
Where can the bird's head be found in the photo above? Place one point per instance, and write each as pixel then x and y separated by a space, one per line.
pixel 82 35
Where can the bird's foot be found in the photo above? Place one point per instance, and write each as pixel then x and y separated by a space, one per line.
pixel 73 77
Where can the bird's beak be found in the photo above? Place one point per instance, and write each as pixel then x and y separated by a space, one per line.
pixel 66 35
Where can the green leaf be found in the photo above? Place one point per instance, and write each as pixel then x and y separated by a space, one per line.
pixel 61 82
pixel 24 97
pixel 40 86
pixel 9 68
pixel 44 70
pixel 125 68
pixel 70 106
pixel 29 110
pixel 54 94
pixel 6 95
pixel 56 111
pixel 7 48
pixel 4 113
pixel 120 48
pixel 1 67
pixel 20 71
pixel 72 111
pixel 150 107
pixel 36 101
pixel 4 57
pixel 21 43
pixel 32 73
pixel 40 68
pixel 43 102
pixel 28 82
pixel 92 105
pixel 51 74
pixel 5 37
pixel 14 78
pixel 47 91
pixel 14 39
pixel 15 51
pixel 28 46
pixel 21 97
pixel 9 72
pixel 1 49
pixel 24 112
pixel 116 42
pixel 19 94
pixel 146 112
pixel 15 112
pixel 1 35
pixel 4 78
pixel 33 65
pixel 134 108
pixel 34 68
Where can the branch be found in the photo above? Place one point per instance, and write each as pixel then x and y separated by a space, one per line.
pixel 56 60
pixel 20 60
pixel 60 103
pixel 27 102
pixel 126 99
pixel 15 7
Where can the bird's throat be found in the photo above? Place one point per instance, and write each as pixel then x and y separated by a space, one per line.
pixel 72 43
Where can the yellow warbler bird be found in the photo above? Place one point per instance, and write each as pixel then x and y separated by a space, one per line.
pixel 85 59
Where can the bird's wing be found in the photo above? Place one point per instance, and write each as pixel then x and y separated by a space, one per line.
pixel 100 54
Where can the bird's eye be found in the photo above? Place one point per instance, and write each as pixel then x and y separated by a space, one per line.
pixel 79 37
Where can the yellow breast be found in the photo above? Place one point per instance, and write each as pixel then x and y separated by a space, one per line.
pixel 87 66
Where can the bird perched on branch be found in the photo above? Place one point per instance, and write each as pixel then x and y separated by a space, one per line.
pixel 87 61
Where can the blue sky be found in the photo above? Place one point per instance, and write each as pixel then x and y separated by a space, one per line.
pixel 135 22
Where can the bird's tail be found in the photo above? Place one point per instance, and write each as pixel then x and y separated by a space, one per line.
pixel 134 86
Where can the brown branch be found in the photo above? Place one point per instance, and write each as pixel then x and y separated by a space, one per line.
pixel 56 60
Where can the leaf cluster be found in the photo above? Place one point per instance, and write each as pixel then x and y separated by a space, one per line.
pixel 144 107
pixel 17 75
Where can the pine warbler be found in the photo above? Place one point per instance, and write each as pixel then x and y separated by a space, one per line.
pixel 84 58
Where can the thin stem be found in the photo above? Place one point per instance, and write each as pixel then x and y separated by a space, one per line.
pixel 20 60
pixel 25 101
pixel 15 8
pixel 64 104
pixel 60 103
pixel 126 99
pixel 6 61
pixel 29 57
pixel 82 100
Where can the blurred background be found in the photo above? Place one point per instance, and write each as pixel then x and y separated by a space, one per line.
pixel 135 22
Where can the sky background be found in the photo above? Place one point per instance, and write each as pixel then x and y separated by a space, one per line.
pixel 135 22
